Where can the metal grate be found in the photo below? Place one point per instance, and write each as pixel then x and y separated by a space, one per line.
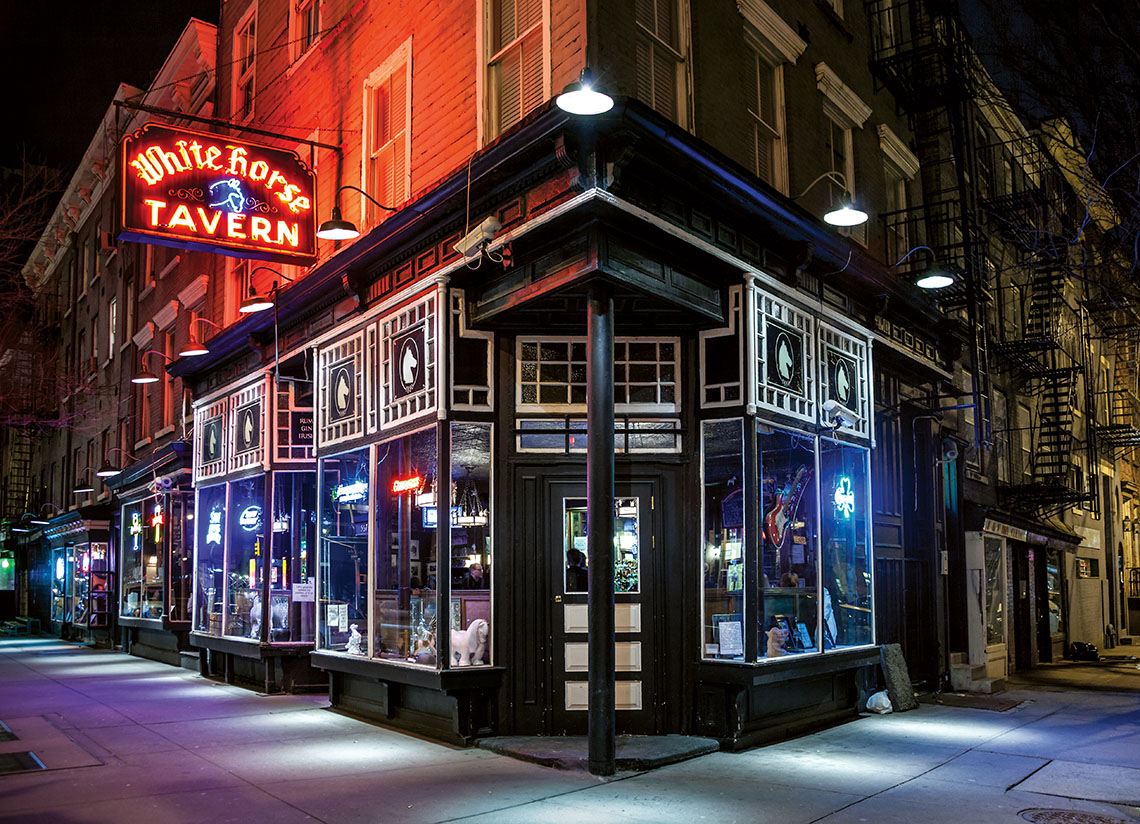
pixel 13 762
pixel 6 733
pixel 1056 816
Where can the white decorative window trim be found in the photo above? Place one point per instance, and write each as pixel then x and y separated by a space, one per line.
pixel 735 327
pixel 769 25
pixel 194 292
pixel 401 190
pixel 393 329
pixel 202 415
pixel 144 336
pixel 347 351
pixel 469 391
pixel 254 393
pixel 166 315
pixel 857 350
pixel 845 106
pixel 771 311
pixel 897 152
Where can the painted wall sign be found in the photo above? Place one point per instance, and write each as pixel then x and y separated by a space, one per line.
pixel 207 192
pixel 301 428
pixel 785 357
pixel 408 362
pixel 212 440
pixel 841 378
pixel 342 391
pixel 247 436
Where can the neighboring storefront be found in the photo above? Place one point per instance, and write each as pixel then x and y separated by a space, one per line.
pixel 255 528
pixel 81 575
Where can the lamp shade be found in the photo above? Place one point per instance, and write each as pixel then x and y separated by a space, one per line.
pixel 935 279
pixel 846 215
pixel 255 303
pixel 82 488
pixel 194 348
pixel 106 471
pixel 336 228
pixel 583 97
pixel 144 376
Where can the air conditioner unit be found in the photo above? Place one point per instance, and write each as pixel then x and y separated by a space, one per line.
pixel 107 245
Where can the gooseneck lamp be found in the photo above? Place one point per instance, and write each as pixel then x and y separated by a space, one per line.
pixel 936 276
pixel 194 347
pixel 846 214
pixel 144 375
pixel 108 470
pixel 336 227
pixel 584 97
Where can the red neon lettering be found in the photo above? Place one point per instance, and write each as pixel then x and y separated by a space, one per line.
pixel 209 226
pixel 234 226
pixel 407 484
pixel 181 217
pixel 258 170
pixel 154 205
pixel 237 155
pixel 259 229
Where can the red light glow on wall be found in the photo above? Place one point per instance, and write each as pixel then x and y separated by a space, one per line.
pixel 194 190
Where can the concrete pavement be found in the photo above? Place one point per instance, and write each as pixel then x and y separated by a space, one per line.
pixel 125 739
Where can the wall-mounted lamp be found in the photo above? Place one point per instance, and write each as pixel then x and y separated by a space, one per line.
pixel 846 214
pixel 194 347
pixel 337 228
pixel 259 303
pixel 936 276
pixel 109 471
pixel 82 488
pixel 144 375
pixel 21 523
pixel 584 96
pixel 39 519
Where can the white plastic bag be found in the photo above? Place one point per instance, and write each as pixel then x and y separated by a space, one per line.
pixel 879 702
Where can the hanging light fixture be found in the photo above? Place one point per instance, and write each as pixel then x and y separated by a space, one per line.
pixel 194 347
pixel 846 214
pixel 259 303
pixel 471 510
pixel 427 495
pixel 108 470
pixel 84 487
pixel 336 227
pixel 144 375
pixel 39 519
pixel 936 276
pixel 584 97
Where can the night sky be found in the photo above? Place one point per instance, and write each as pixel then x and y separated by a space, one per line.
pixel 65 59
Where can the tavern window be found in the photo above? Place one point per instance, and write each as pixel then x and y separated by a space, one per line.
pixel 660 59
pixel 244 64
pixel 304 25
pixel 387 112
pixel 518 76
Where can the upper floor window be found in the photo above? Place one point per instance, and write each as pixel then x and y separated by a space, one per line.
pixel 304 25
pixel 518 75
pixel 843 112
pixel 660 58
pixel 387 138
pixel 900 166
pixel 245 64
pixel 112 323
pixel 769 154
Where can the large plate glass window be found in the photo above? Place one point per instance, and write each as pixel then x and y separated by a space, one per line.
pixel 470 543
pixel 722 471
pixel 209 586
pixel 180 532
pixel 246 552
pixel 294 529
pixel 143 525
pixel 844 504
pixel 995 591
pixel 343 601
pixel 405 570
pixel 789 542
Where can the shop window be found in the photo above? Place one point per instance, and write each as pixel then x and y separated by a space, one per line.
pixel 292 564
pixel 552 374
pixel 995 591
pixel 62 599
pixel 209 579
pixel 846 558
pixel 1053 590
pixel 659 56
pixel 518 75
pixel 406 551
pixel 180 531
pixel 722 472
pixel 789 543
pixel 470 551
pixel 91 585
pixel 568 435
pixel 387 138
pixel 143 562
pixel 246 551
pixel 245 65
pixel 343 602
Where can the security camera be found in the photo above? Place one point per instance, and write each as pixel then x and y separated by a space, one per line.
pixel 477 239
pixel 839 415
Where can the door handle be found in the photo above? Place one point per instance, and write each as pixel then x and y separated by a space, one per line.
pixel 558 599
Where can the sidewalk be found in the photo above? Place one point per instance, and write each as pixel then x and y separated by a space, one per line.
pixel 131 740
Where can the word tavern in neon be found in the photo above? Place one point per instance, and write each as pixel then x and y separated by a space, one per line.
pixel 206 192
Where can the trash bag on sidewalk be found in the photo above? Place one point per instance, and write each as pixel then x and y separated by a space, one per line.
pixel 1080 651
pixel 879 703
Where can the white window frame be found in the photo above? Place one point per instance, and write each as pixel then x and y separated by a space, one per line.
pixel 845 109
pixel 777 131
pixel 680 54
pixel 488 127
pixel 379 75
pixel 297 18
pixel 248 77
pixel 112 323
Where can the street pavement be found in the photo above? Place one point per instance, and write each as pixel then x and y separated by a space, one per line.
pixel 124 739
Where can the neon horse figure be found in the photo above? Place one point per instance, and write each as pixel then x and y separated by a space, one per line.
pixel 230 197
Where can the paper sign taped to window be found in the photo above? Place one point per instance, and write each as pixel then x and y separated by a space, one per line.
pixel 305 592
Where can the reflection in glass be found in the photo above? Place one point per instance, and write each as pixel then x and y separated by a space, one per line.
pixel 131 538
pixel 995 592
pixel 209 583
pixel 405 570
pixel 789 537
pixel 343 600
pixel 470 550
pixel 627 546
pixel 61 596
pixel 294 526
pixel 181 540
pixel 80 586
pixel 846 588
pixel 722 455
pixel 1053 588
pixel 245 553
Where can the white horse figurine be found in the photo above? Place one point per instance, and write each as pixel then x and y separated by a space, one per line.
pixel 468 645
pixel 777 637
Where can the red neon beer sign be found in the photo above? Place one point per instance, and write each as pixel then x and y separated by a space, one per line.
pixel 407 484
pixel 194 190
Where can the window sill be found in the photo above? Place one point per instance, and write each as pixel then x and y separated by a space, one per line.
pixel 789 667
pixel 142 443
pixel 162 433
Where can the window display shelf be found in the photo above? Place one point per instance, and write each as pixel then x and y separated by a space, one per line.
pixel 401 673
pixel 786 668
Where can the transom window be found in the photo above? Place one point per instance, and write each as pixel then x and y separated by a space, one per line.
pixel 552 374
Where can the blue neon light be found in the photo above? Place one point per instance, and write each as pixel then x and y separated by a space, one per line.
pixel 228 195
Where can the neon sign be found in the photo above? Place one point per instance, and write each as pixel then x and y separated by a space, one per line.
pixel 407 484
pixel 844 497
pixel 214 528
pixel 351 493
pixel 195 190
pixel 157 521
pixel 136 524
pixel 250 518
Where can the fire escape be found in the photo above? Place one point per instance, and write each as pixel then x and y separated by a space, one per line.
pixel 921 55
pixel 1118 318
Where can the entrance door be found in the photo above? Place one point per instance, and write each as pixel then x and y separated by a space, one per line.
pixel 1022 606
pixel 635 561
